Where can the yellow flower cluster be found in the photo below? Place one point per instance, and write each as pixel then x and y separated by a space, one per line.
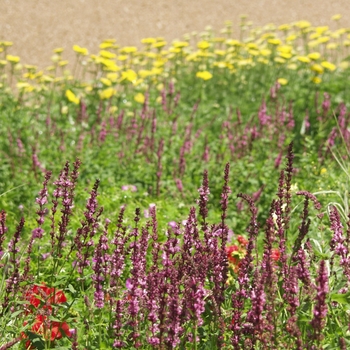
pixel 288 48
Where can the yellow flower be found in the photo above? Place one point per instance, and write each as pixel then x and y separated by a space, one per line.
pixel 89 88
pixel 292 66
pixel 268 35
pixel 80 50
pixel 328 65
pixel 314 36
pixel 285 48
pixel 110 65
pixel 336 17
pixel 252 46
pixel 253 52
pixel 316 80
pixel 284 27
pixel 13 59
pixel 106 81
pixel 332 46
pixel 159 63
pixel 263 60
pixel 29 75
pixel 205 75
pixel 274 41
pixel 314 56
pixel 313 43
pixel 279 60
pixel 282 81
pixel 55 58
pixel 265 52
pixel 140 98
pixel 112 77
pixel 71 97
pixel 62 63
pixel 159 44
pixel 341 31
pixel 323 39
pixel 321 30
pixel 220 64
pixel 144 73
pixel 233 42
pixel 3 63
pixel 39 74
pixel 180 44
pixel 303 59
pixel 105 45
pixel 148 41
pixel 291 37
pixel 344 65
pixel 203 45
pixel 64 110
pixel 220 52
pixel 129 75
pixel 128 49
pixel 107 93
pixel 113 109
pixel 122 57
pixel 303 24
pixel 58 79
pixel 107 54
pixel 58 50
pixel 7 43
pixel 323 171
pixel 175 50
pixel 109 41
pixel 317 68
pixel 22 85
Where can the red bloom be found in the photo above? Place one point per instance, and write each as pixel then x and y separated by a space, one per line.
pixel 234 255
pixel 275 254
pixel 49 330
pixel 231 257
pixel 41 293
pixel 41 326
pixel 242 241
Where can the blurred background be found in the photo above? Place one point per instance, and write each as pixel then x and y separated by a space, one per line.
pixel 36 27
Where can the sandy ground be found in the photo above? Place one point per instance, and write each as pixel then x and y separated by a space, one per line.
pixel 36 27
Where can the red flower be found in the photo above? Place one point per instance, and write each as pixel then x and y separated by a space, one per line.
pixel 50 330
pixel 41 293
pixel 275 254
pixel 242 241
pixel 234 256
pixel 231 258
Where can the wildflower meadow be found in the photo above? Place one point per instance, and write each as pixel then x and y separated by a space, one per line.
pixel 184 195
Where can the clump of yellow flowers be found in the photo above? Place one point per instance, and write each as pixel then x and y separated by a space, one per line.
pixel 287 50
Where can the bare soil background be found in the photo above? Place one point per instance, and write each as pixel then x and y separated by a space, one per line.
pixel 36 27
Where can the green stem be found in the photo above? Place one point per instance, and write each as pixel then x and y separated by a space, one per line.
pixel 195 336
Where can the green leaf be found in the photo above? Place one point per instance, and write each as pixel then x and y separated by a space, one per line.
pixel 71 289
pixel 341 298
pixel 36 341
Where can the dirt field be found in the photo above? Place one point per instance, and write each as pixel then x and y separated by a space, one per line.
pixel 38 26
